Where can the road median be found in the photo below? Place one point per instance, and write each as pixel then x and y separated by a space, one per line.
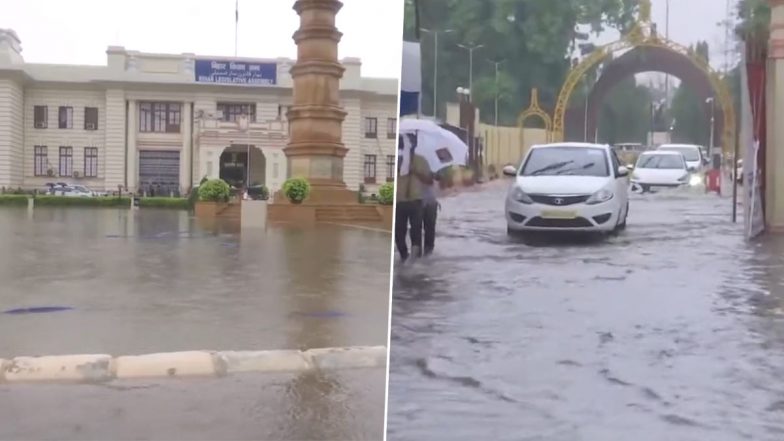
pixel 99 368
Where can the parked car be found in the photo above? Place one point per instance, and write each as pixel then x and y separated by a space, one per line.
pixel 568 187
pixel 661 168
pixel 75 191
pixel 84 189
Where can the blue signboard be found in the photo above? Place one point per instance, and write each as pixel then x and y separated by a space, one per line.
pixel 236 72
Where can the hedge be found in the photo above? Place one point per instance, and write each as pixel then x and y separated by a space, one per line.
pixel 13 199
pixel 164 202
pixel 62 201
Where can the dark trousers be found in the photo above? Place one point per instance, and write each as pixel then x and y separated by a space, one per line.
pixel 408 214
pixel 429 216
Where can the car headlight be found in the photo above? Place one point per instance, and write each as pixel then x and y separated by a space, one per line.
pixel 519 195
pixel 695 180
pixel 599 197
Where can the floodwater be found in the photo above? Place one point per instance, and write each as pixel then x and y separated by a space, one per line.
pixel 673 330
pixel 156 280
pixel 346 405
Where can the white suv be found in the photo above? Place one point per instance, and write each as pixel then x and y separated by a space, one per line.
pixel 692 153
pixel 568 187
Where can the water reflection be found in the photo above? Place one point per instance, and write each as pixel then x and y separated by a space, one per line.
pixel 158 280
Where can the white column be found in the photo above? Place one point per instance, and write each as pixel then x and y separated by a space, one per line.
pixel 185 153
pixel 131 168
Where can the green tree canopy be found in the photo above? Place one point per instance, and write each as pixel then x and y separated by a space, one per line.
pixel 535 38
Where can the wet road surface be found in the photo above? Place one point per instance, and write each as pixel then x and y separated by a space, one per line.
pixel 348 405
pixel 156 280
pixel 671 331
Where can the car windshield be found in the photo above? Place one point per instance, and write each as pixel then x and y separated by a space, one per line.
pixel 566 161
pixel 671 162
pixel 690 153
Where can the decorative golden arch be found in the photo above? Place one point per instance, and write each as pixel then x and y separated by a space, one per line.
pixel 534 110
pixel 643 35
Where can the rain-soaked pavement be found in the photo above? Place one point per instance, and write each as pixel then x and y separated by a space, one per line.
pixel 347 405
pixel 157 280
pixel 671 331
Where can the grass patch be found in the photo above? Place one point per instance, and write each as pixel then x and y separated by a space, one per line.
pixel 62 201
pixel 13 199
pixel 164 202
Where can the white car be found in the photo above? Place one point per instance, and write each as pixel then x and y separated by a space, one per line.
pixel 568 187
pixel 662 168
pixel 87 190
pixel 692 153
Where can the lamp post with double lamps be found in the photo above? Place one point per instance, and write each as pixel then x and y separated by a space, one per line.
pixel 470 48
pixel 435 64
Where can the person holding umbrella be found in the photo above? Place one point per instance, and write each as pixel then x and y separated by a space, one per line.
pixel 412 175
pixel 431 206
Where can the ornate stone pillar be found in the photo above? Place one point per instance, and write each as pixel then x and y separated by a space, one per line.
pixel 315 150
pixel 774 156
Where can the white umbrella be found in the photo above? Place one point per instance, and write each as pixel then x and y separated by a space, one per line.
pixel 440 147
pixel 411 125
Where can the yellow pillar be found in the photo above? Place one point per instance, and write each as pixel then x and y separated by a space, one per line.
pixel 774 161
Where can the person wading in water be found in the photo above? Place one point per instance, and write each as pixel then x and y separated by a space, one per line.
pixel 413 173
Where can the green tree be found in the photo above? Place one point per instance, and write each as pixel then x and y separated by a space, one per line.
pixel 691 124
pixel 626 115
pixel 535 38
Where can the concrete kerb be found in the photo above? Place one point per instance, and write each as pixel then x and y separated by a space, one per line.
pixel 98 368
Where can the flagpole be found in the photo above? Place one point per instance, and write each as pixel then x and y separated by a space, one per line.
pixel 236 23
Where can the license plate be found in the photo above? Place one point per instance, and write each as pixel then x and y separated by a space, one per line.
pixel 557 214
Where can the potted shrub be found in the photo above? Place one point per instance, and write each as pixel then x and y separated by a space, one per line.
pixel 386 194
pixel 386 200
pixel 296 190
pixel 213 195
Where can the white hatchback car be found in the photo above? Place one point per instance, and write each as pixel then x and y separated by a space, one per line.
pixel 568 187
pixel 661 168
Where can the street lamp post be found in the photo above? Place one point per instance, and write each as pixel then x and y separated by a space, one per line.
pixel 435 65
pixel 496 63
pixel 470 48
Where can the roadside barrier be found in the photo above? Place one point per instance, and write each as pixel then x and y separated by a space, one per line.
pixel 96 368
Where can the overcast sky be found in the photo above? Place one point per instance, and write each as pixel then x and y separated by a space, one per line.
pixel 79 31
pixel 691 21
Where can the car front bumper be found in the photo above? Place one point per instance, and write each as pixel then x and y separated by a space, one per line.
pixel 578 217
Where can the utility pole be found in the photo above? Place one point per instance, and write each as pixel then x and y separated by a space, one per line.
pixel 496 63
pixel 470 48
pixel 435 65
pixel 667 36
pixel 712 102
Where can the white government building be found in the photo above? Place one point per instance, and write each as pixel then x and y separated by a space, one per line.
pixel 160 123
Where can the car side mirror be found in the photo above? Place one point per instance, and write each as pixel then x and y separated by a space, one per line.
pixel 623 172
pixel 510 170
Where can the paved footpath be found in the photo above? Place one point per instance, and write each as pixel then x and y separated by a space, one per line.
pixel 337 405
pixel 330 393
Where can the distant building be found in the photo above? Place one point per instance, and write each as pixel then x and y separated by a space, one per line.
pixel 160 123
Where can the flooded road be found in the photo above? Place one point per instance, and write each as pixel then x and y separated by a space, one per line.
pixel 346 405
pixel 673 330
pixel 156 280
